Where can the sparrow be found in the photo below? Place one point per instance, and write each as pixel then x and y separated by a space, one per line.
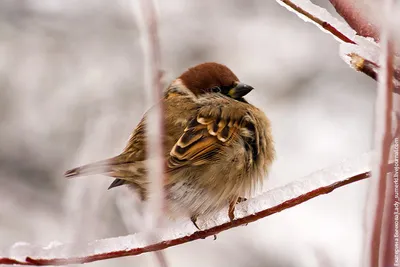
pixel 217 146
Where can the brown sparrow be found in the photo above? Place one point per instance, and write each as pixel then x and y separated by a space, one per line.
pixel 217 146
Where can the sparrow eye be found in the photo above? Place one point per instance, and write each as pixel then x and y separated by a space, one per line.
pixel 215 89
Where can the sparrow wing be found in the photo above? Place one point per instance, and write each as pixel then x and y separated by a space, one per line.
pixel 214 126
pixel 136 146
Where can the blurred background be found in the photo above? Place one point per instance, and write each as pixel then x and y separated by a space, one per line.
pixel 72 89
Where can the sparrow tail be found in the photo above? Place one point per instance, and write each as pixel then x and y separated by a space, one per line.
pixel 119 167
pixel 100 167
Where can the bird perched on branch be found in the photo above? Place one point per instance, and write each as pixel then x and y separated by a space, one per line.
pixel 217 146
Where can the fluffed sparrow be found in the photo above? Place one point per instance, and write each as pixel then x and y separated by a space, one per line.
pixel 217 146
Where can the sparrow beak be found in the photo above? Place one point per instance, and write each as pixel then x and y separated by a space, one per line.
pixel 240 90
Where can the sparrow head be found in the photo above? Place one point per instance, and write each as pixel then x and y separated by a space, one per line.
pixel 213 77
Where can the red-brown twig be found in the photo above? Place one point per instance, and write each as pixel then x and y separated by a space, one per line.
pixel 372 69
pixel 359 23
pixel 352 13
pixel 322 23
pixel 8 261
pixel 276 200
pixel 384 109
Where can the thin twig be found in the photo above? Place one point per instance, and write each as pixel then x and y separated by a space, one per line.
pixel 358 23
pixel 322 23
pixel 8 261
pixel 384 108
pixel 372 69
pixel 155 126
pixel 352 13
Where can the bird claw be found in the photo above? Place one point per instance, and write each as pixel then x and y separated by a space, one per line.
pixel 194 220
pixel 231 210
pixel 240 200
pixel 231 213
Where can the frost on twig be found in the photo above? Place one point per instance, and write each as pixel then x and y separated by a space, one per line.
pixel 359 21
pixel 310 12
pixel 359 52
pixel 273 201
pixel 365 60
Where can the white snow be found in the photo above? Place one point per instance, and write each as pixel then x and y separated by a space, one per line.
pixel 53 245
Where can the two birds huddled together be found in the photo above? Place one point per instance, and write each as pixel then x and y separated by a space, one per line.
pixel 217 146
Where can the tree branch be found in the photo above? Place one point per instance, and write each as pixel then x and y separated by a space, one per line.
pixel 154 125
pixel 352 13
pixel 273 201
pixel 306 9
pixel 371 69
pixel 345 34
pixel 383 132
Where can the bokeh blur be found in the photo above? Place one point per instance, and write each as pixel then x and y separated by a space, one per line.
pixel 72 89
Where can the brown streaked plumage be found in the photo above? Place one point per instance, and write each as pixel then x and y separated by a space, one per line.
pixel 217 146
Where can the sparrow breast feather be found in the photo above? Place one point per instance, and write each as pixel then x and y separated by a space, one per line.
pixel 218 147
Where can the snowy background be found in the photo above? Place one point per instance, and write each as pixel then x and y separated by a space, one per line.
pixel 72 89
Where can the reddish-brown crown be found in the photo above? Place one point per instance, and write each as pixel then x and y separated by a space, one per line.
pixel 201 78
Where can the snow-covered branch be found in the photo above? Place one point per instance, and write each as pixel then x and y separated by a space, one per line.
pixel 360 53
pixel 370 68
pixel 273 201
pixel 310 12
pixel 359 21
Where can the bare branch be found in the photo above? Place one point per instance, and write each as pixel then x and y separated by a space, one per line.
pixel 379 185
pixel 386 85
pixel 276 200
pixel 154 126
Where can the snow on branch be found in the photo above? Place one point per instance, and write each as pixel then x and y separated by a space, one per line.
pixel 359 21
pixel 364 64
pixel 273 201
pixel 359 52
pixel 310 12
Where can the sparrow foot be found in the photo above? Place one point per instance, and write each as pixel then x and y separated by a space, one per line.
pixel 241 199
pixel 194 220
pixel 231 210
